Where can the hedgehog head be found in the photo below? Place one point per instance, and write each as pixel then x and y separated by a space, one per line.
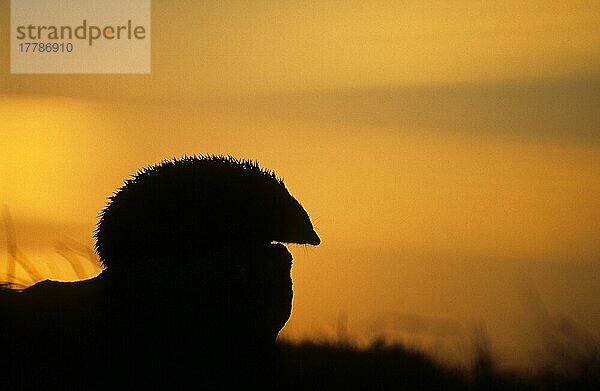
pixel 195 206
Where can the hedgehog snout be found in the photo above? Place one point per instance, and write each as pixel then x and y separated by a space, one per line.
pixel 313 238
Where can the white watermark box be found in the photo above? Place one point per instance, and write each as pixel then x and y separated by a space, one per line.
pixel 80 36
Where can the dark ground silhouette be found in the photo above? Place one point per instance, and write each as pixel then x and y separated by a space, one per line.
pixel 194 293
pixel 331 366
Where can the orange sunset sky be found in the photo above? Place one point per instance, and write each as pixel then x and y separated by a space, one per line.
pixel 448 154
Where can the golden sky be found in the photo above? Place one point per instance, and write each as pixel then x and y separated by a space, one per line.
pixel 449 154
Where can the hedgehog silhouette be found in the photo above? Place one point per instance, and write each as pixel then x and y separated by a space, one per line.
pixel 195 289
pixel 196 205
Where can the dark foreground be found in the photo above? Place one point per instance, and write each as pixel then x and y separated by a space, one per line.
pixel 326 366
